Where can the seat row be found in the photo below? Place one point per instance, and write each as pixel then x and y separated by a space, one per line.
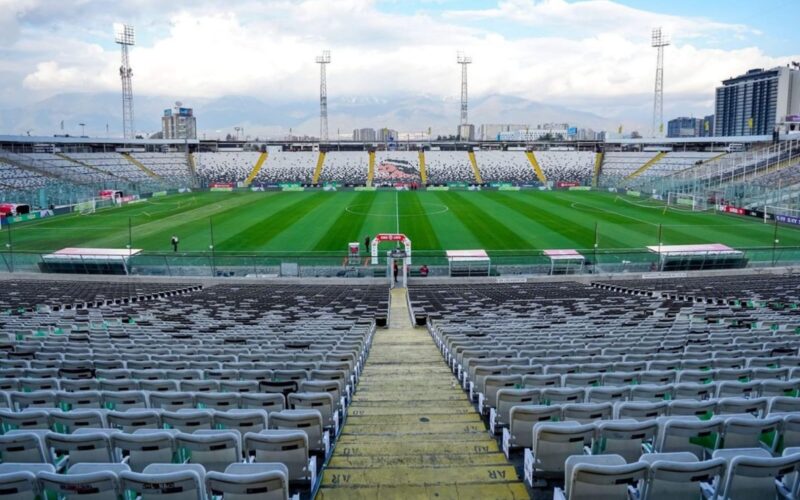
pixel 627 422
pixel 262 480
pixel 553 443
pixel 742 473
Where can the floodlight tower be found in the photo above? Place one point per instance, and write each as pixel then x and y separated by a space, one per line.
pixel 323 60
pixel 659 40
pixel 124 36
pixel 463 60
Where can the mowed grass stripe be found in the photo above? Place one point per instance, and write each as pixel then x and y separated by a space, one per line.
pixel 257 235
pixel 492 233
pixel 347 226
pixel 312 226
pixel 559 216
pixel 416 224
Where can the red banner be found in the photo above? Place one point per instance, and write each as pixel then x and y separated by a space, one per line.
pixel 567 184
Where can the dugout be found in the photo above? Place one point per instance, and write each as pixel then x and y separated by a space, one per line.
pixel 698 257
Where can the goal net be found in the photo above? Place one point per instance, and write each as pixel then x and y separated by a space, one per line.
pixel 86 207
pixel 782 214
pixel 687 201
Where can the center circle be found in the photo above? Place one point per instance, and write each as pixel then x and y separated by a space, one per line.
pixel 390 210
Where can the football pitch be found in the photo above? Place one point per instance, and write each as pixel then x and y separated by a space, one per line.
pixel 319 221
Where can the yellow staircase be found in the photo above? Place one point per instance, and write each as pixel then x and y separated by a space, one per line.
pixel 371 171
pixel 192 166
pixel 536 167
pixel 318 169
pixel 423 172
pixel 643 168
pixel 598 163
pixel 90 166
pixel 256 169
pixel 141 166
pixel 475 171
pixel 410 431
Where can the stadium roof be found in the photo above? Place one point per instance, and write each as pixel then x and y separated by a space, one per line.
pixel 49 139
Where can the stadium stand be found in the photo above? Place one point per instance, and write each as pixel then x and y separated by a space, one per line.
pixel 13 177
pixel 95 175
pixel 114 163
pixel 448 166
pixel 617 165
pixel 171 166
pixel 393 167
pixel 505 166
pixel 225 167
pixel 291 167
pixel 345 167
pixel 622 383
pixel 219 388
pixel 567 166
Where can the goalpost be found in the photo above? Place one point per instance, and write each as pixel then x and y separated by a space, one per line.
pixel 782 214
pixel 86 207
pixel 687 201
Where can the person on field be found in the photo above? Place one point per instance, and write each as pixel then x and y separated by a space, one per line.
pixel 395 269
pixel 366 242
pixel 174 241
pixel 423 271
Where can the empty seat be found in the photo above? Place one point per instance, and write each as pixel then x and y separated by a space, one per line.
pixel 21 485
pixel 685 434
pixel 308 421
pixel 521 421
pixel 214 450
pixel 672 476
pixel 98 485
pixel 79 448
pixel 22 447
pixel 144 448
pixel 752 475
pixel 553 443
pixel 624 438
pixel 132 420
pixel 287 447
pixel 743 432
pixel 184 484
pixel 254 481
pixel 604 477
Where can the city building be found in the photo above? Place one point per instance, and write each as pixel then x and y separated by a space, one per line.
pixel 492 131
pixel 684 126
pixel 755 102
pixel 387 135
pixel 466 132
pixel 364 135
pixel 179 123
pixel 707 130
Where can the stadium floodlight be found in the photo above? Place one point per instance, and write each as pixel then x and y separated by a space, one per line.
pixel 659 40
pixel 124 36
pixel 463 60
pixel 323 61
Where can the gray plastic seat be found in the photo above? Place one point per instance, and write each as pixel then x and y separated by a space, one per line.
pixel 287 447
pixel 21 485
pixel 243 421
pixel 624 438
pixel 319 401
pixel 683 434
pixel 308 421
pixel 521 421
pixel 99 485
pixel 214 450
pixel 670 479
pixel 587 412
pixel 257 481
pixel 22 447
pixel 604 477
pixel 171 401
pixel 132 420
pixel 507 399
pixel 268 402
pixel 124 400
pixel 144 448
pixel 186 483
pixel 752 477
pixel 739 432
pixel 188 420
pixel 553 443
pixel 94 447
pixel 641 410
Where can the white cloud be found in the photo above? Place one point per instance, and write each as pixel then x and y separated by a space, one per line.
pixel 267 50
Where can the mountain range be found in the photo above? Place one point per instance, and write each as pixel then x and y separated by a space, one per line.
pixel 267 118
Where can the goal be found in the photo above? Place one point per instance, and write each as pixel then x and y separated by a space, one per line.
pixel 86 207
pixel 686 201
pixel 781 214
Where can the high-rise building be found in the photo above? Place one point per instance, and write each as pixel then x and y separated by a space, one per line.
pixel 466 132
pixel 179 123
pixel 364 134
pixel 707 130
pixel 684 127
pixel 754 103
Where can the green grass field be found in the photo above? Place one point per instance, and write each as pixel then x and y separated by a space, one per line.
pixel 316 221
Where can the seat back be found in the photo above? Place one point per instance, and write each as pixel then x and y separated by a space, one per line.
pixel 754 477
pixel 214 450
pixel 668 480
pixel 22 447
pixel 19 485
pixel 268 485
pixel 604 482
pixel 144 449
pixel 624 438
pixel 554 442
pixel 100 485
pixel 287 447
pixel 180 485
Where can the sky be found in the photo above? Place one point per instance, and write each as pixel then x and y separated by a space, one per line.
pixel 591 55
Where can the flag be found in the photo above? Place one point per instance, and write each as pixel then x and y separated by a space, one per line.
pixel 661 128
pixel 705 125
pixel 619 130
pixel 749 123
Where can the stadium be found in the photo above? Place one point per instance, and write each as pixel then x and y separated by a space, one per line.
pixel 470 318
